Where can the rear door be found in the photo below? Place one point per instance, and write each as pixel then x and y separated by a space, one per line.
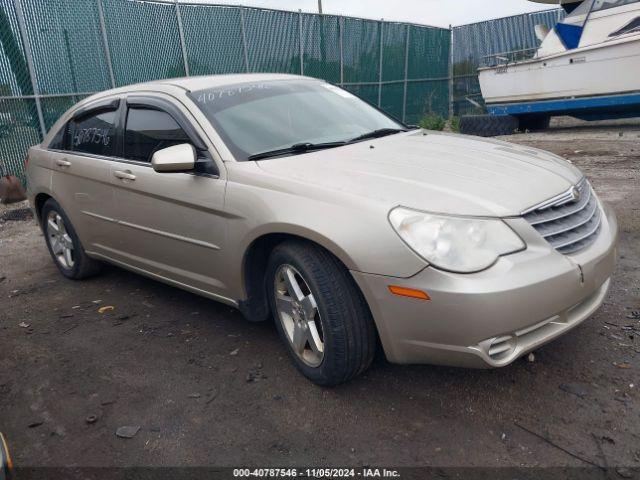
pixel 172 224
pixel 83 154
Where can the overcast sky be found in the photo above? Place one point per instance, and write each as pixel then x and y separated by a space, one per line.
pixel 431 12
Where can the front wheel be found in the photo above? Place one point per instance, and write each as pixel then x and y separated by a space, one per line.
pixel 320 313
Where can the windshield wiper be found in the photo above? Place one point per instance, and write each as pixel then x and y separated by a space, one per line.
pixel 310 147
pixel 382 132
pixel 296 148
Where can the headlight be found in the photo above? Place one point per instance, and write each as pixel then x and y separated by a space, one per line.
pixel 457 244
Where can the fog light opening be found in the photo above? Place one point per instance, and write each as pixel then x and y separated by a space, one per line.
pixel 502 347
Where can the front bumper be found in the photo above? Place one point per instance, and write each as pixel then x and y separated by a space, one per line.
pixel 491 318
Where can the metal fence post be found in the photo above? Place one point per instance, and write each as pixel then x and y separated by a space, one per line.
pixel 300 42
pixel 244 40
pixel 105 40
pixel 380 64
pixel 341 36
pixel 32 73
pixel 406 74
pixel 451 81
pixel 182 42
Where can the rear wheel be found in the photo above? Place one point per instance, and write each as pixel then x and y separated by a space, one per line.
pixel 488 125
pixel 64 245
pixel 320 313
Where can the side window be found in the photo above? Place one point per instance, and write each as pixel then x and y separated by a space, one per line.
pixel 632 26
pixel 148 131
pixel 57 142
pixel 94 133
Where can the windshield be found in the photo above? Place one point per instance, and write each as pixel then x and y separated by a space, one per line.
pixel 253 118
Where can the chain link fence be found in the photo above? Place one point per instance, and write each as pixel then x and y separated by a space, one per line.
pixel 57 52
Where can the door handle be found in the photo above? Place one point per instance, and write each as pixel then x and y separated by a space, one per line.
pixel 124 175
pixel 63 163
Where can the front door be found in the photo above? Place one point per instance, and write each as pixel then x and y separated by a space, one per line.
pixel 171 224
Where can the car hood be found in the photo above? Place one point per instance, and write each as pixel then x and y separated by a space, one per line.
pixel 436 172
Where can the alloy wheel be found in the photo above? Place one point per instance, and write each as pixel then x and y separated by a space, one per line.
pixel 60 240
pixel 298 313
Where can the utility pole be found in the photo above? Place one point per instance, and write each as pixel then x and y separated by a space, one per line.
pixel 320 7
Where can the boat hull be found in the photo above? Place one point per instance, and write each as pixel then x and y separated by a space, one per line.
pixel 587 108
pixel 605 70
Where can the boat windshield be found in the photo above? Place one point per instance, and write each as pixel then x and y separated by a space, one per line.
pixel 604 4
pixel 581 13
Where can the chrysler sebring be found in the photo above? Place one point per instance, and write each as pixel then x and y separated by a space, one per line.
pixel 290 198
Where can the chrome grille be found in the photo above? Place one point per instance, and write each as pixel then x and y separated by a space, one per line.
pixel 569 222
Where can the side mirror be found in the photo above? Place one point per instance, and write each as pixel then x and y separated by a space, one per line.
pixel 178 158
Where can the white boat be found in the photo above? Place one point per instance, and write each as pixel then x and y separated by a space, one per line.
pixel 587 66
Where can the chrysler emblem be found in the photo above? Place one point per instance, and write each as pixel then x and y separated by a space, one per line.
pixel 575 194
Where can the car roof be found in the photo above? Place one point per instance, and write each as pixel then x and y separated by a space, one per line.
pixel 215 81
pixel 192 84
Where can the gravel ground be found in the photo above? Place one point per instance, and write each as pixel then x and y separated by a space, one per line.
pixel 208 388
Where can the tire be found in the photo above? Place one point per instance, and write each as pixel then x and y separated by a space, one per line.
pixel 341 323
pixel 488 125
pixel 76 265
pixel 534 123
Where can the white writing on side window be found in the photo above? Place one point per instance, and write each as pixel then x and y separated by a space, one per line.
pixel 92 135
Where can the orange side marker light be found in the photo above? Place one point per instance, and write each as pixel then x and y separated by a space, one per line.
pixel 409 292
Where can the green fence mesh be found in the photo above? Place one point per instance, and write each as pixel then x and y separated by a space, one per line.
pixel 431 96
pixel 362 55
pixel 66 46
pixel 368 93
pixel 18 131
pixel 14 73
pixel 321 47
pixel 429 52
pixel 394 38
pixel 18 117
pixel 214 40
pixel 392 99
pixel 64 50
pixel 143 40
pixel 273 41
